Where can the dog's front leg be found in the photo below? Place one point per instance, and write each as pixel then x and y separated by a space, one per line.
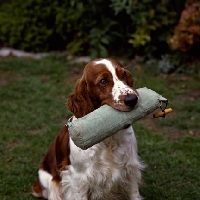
pixel 135 195
pixel 134 191
pixel 74 193
pixel 73 187
pixel 79 196
pixel 134 184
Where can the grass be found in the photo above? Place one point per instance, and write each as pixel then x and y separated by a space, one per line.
pixel 172 166
pixel 33 95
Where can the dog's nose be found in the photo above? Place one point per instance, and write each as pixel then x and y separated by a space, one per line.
pixel 131 100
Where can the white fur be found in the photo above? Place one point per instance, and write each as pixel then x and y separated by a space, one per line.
pixel 108 170
pixel 51 190
pixel 119 87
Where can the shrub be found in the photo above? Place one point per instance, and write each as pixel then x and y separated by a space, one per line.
pixel 187 32
pixel 147 16
pixel 151 23
pixel 22 24
pixel 185 42
pixel 83 27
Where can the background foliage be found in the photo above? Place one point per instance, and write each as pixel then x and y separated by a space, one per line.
pixel 84 27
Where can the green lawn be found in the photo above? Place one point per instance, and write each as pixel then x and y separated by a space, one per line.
pixel 33 95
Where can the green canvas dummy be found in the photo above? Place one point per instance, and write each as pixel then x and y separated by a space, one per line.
pixel 105 121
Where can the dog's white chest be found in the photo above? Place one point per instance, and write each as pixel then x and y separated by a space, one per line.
pixel 104 166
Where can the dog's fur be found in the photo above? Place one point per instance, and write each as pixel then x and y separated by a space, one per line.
pixel 108 170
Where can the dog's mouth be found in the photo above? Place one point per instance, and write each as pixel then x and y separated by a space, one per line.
pixel 125 103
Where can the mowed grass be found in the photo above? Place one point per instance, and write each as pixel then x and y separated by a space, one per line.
pixel 32 111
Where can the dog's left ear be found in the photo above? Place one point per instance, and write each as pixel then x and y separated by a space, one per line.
pixel 79 102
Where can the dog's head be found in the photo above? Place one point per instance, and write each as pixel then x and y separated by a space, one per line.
pixel 104 81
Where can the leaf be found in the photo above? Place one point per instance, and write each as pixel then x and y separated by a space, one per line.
pixel 104 40
pixel 146 1
pixel 103 51
pixel 151 13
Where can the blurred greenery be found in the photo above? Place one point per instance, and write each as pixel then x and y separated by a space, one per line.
pixel 83 27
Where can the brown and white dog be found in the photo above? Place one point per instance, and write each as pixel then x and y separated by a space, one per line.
pixel 109 170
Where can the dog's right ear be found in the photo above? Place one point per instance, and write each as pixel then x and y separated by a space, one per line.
pixel 79 102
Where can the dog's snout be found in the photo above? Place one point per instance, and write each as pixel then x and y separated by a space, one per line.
pixel 131 100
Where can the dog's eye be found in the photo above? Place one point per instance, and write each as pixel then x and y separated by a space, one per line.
pixel 103 82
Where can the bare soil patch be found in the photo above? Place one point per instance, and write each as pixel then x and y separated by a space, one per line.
pixel 190 95
pixel 170 132
pixel 7 76
pixel 13 145
pixel 45 78
pixel 73 75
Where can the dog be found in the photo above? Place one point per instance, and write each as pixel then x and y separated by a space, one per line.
pixel 110 169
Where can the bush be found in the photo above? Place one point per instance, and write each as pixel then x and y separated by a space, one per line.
pixel 151 20
pixel 185 42
pixel 84 27
pixel 187 32
pixel 22 25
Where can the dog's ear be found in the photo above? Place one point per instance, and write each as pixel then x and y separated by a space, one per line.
pixel 79 102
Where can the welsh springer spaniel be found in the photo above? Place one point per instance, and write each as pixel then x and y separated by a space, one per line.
pixel 109 170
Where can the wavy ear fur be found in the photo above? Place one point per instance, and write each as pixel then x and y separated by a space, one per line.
pixel 79 102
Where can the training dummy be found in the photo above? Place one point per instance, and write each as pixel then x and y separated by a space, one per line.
pixel 106 121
